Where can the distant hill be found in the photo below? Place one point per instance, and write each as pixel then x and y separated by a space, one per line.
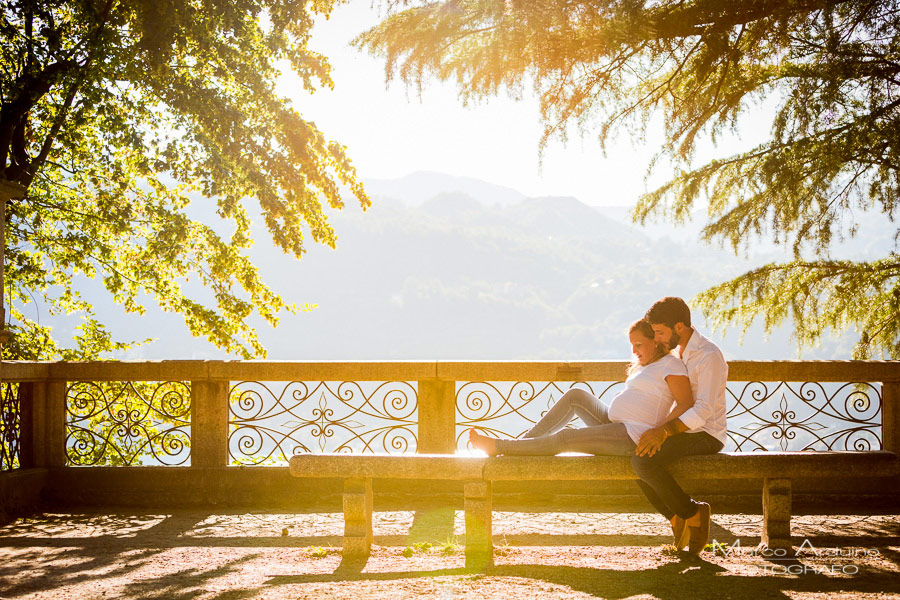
pixel 873 235
pixel 468 270
pixel 419 187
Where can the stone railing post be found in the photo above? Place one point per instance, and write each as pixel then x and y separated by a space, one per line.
pixel 209 423
pixel 890 416
pixel 44 424
pixel 437 417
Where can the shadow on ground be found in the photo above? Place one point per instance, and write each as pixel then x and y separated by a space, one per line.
pixel 194 554
pixel 687 577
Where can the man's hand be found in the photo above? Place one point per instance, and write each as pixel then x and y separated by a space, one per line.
pixel 651 441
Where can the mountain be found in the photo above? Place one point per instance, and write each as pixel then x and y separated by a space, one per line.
pixel 864 235
pixel 463 274
pixel 417 188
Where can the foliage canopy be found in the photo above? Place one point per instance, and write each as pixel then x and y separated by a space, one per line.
pixel 115 114
pixel 608 66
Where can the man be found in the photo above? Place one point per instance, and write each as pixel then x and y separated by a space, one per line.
pixel 699 430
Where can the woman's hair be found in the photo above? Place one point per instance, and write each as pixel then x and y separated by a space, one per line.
pixel 643 327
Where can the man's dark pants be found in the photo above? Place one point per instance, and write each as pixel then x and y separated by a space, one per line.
pixel 658 485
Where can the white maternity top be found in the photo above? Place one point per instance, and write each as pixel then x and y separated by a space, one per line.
pixel 646 400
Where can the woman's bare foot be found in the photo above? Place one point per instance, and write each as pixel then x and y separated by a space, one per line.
pixel 483 443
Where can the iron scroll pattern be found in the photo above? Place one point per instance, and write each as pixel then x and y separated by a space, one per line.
pixel 510 409
pixel 761 416
pixel 267 425
pixel 804 416
pixel 128 423
pixel 10 427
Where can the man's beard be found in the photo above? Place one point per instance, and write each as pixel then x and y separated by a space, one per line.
pixel 674 340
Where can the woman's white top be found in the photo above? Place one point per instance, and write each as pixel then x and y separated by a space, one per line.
pixel 646 400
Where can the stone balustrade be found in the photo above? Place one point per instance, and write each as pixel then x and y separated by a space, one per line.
pixel 208 471
pixel 45 385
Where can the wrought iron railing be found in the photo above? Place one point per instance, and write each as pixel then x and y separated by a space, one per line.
pixel 128 423
pixel 804 416
pixel 10 427
pixel 219 413
pixel 270 421
pixel 509 409
pixel 761 415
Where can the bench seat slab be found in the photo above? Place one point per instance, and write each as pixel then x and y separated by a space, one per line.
pixel 388 466
pixel 724 465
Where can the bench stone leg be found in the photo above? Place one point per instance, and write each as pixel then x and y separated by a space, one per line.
pixel 357 518
pixel 776 531
pixel 479 547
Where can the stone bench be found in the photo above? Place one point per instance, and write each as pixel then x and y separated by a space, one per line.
pixel 776 469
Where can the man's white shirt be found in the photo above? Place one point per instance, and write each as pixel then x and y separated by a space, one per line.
pixel 708 373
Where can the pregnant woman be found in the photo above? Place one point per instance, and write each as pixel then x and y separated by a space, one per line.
pixel 656 381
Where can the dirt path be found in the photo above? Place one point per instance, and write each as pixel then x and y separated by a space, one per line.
pixel 194 554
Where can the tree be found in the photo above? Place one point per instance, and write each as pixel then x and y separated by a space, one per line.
pixel 608 67
pixel 115 114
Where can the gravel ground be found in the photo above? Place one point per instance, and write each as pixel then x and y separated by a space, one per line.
pixel 195 554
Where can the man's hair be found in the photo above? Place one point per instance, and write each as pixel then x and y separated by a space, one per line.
pixel 668 311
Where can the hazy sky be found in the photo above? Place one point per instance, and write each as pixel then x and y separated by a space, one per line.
pixel 391 132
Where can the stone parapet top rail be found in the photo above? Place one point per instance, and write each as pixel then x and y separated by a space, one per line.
pixel 239 370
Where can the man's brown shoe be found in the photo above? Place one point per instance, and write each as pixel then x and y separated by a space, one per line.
pixel 680 532
pixel 699 535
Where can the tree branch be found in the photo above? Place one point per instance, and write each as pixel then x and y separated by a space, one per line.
pixel 693 19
